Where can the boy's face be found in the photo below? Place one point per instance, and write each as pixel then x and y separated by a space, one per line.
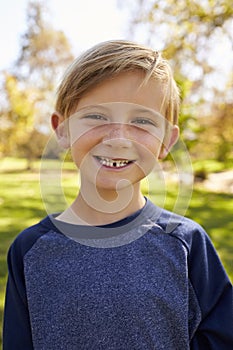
pixel 118 130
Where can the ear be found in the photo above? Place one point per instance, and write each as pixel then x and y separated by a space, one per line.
pixel 60 127
pixel 169 141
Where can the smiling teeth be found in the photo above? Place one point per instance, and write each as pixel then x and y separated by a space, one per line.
pixel 113 163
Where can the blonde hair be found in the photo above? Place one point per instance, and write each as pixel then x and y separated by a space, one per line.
pixel 108 59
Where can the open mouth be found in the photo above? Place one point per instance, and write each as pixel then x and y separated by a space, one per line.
pixel 113 163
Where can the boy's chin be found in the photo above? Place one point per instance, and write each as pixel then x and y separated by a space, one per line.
pixel 114 187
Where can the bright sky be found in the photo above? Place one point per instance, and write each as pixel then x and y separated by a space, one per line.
pixel 84 22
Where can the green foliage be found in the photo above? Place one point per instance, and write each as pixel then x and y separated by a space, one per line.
pixel 212 165
pixel 218 125
pixel 184 30
pixel 18 116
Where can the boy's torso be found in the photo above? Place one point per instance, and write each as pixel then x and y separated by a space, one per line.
pixel 125 297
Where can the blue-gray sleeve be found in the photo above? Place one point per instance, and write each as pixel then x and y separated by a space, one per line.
pixel 16 325
pixel 215 296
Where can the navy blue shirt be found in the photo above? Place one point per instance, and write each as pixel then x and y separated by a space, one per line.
pixel 150 281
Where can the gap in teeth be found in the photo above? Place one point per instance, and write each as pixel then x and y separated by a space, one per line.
pixel 113 163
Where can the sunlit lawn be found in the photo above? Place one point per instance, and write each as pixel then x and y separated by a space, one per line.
pixel 21 206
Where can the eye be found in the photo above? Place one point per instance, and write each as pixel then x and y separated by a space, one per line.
pixel 144 121
pixel 95 116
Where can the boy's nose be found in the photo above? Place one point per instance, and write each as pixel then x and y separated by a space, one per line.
pixel 118 136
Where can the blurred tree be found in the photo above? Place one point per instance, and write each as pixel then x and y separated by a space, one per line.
pixel 18 135
pixel 216 139
pixel 191 33
pixel 29 88
pixel 44 50
pixel 196 37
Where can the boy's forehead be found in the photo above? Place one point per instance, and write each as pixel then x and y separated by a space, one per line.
pixel 127 87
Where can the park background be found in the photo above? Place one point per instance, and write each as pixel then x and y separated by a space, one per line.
pixel 195 36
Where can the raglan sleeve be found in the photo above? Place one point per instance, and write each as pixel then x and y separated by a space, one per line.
pixel 214 293
pixel 16 323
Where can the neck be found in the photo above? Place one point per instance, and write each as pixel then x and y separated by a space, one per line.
pixel 104 208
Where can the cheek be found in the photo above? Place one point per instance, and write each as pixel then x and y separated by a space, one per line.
pixel 148 151
pixel 150 147
pixel 82 143
pixel 79 132
pixel 80 149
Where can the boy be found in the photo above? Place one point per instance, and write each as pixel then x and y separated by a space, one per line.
pixel 107 273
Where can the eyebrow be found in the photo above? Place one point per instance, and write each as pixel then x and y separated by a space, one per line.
pixel 91 107
pixel 148 111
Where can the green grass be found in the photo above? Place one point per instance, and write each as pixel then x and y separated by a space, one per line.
pixel 21 206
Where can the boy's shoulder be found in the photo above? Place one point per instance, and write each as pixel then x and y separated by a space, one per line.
pixel 201 252
pixel 28 237
pixel 173 222
pixel 188 231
